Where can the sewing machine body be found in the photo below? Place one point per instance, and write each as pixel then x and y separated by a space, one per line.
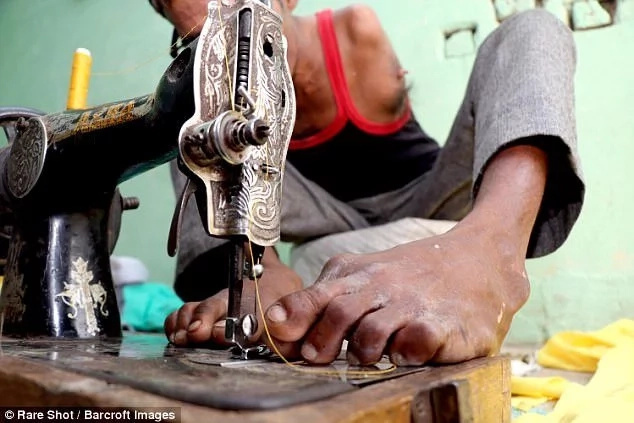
pixel 63 170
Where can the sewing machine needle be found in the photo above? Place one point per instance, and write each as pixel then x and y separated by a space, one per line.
pixel 236 272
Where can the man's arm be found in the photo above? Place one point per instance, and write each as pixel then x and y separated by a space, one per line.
pixel 445 299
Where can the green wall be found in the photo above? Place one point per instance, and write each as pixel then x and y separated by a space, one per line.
pixel 585 284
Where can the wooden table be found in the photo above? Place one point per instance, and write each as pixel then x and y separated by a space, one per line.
pixel 483 386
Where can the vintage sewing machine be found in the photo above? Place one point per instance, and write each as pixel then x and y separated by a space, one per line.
pixel 225 108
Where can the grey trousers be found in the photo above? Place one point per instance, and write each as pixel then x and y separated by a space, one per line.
pixel 520 92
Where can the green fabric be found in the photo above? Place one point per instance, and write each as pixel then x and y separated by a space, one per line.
pixel 146 305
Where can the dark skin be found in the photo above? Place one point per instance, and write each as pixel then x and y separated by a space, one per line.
pixel 443 299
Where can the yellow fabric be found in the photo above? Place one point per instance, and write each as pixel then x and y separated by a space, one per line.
pixel 609 396
pixel 529 392
pixel 580 351
pixel 539 387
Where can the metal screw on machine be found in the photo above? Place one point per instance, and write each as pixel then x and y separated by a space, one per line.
pixel 13 119
pixel 20 123
pixel 257 271
pixel 249 325
pixel 238 331
pixel 117 207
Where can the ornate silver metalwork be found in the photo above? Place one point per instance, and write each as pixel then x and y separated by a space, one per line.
pixel 241 184
pixel 26 158
pixel 83 293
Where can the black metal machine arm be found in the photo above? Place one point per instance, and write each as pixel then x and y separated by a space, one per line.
pixel 56 156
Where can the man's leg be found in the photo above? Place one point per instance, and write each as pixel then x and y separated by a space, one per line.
pixel 520 91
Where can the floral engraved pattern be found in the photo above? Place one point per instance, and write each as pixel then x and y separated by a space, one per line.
pixel 26 158
pixel 244 200
pixel 81 294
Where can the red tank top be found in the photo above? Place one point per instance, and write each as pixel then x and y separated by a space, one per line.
pixel 350 156
pixel 346 110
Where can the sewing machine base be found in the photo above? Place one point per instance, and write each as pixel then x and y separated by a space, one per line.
pixel 141 371
pixel 58 280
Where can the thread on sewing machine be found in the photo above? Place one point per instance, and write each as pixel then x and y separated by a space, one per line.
pixel 350 374
pixel 158 56
pixel 79 79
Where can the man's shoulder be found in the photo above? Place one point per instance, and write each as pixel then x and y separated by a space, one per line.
pixel 361 24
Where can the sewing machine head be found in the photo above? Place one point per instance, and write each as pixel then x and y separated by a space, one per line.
pixel 234 146
pixel 225 108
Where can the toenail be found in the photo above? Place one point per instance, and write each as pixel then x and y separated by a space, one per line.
pixel 277 314
pixel 309 352
pixel 181 337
